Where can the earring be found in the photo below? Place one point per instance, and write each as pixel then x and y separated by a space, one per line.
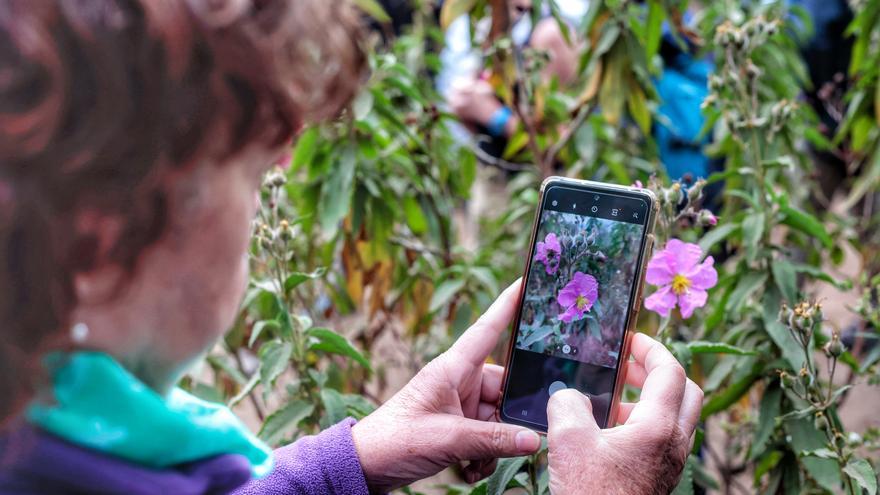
pixel 79 333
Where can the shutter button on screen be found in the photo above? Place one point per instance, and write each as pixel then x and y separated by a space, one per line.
pixel 556 387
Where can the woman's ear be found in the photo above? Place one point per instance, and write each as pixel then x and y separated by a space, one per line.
pixel 98 277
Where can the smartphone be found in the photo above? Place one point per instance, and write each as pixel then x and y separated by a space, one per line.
pixel 580 298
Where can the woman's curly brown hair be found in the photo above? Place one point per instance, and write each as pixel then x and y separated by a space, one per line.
pixel 102 100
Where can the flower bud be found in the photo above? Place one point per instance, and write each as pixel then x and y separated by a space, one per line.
pixel 695 192
pixel 752 71
pixel 739 40
pixel 675 193
pixel 820 422
pixel 707 219
pixel 265 242
pixel 834 348
pixel 275 178
pixel 285 232
pixel 839 440
pixel 786 380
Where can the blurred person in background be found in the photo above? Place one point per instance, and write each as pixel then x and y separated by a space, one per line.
pixel 133 138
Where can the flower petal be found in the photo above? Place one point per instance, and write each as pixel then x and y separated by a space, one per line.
pixel 552 242
pixel 661 268
pixel 587 285
pixel 662 301
pixel 691 300
pixel 687 255
pixel 703 276
pixel 567 296
pixel 569 314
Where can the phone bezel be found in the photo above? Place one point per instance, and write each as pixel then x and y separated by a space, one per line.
pixel 635 294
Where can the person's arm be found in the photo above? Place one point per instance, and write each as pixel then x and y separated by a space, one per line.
pixel 326 463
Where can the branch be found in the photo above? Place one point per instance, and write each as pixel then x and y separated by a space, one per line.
pixel 583 112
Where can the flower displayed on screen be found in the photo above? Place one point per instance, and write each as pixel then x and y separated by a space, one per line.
pixel 578 296
pixel 549 252
pixel 681 278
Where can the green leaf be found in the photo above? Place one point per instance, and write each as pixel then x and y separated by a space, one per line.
pixel 805 437
pixel 336 193
pixel 248 387
pixel 719 373
pixel 766 463
pixel 822 453
pixel 746 286
pixel 516 143
pixel 682 353
pixel 770 406
pixel 297 278
pixel 258 329
pixel 653 28
pixel 717 235
pixel 753 229
pixel 373 9
pixel 637 105
pixel 444 293
pixel 415 217
pixel 274 357
pixel 453 9
pixel 686 484
pixel 506 470
pixel 722 400
pixel 779 333
pixel 357 405
pixel 335 409
pixel 282 421
pixel 485 276
pixel 610 33
pixel 224 363
pixel 786 279
pixel 805 223
pixel 537 335
pixel 861 471
pixel 703 347
pixel 328 341
pixel 612 92
pixel 305 148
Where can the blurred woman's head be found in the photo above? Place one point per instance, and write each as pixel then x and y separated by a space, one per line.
pixel 133 134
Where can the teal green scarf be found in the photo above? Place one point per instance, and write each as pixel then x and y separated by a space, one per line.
pixel 100 405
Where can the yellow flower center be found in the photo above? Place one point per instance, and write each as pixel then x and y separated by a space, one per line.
pixel 581 302
pixel 680 284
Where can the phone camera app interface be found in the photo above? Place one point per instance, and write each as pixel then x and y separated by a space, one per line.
pixel 577 298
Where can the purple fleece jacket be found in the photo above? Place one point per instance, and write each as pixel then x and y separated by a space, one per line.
pixel 33 461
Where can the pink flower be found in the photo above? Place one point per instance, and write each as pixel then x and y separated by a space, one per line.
pixel 682 279
pixel 578 296
pixel 548 252
pixel 637 184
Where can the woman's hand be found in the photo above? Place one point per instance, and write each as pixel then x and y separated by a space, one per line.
pixel 474 101
pixel 646 453
pixel 446 413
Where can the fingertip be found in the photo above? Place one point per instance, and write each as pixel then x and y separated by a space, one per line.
pixel 527 441
pixel 569 397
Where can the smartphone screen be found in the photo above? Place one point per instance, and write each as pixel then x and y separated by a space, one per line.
pixel 583 273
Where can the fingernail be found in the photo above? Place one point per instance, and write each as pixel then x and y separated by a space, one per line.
pixel 527 441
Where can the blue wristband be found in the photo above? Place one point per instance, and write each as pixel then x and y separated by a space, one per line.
pixel 498 121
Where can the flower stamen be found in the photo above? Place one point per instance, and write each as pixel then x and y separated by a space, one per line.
pixel 680 284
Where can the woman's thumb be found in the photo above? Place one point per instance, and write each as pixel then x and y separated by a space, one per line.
pixel 489 440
